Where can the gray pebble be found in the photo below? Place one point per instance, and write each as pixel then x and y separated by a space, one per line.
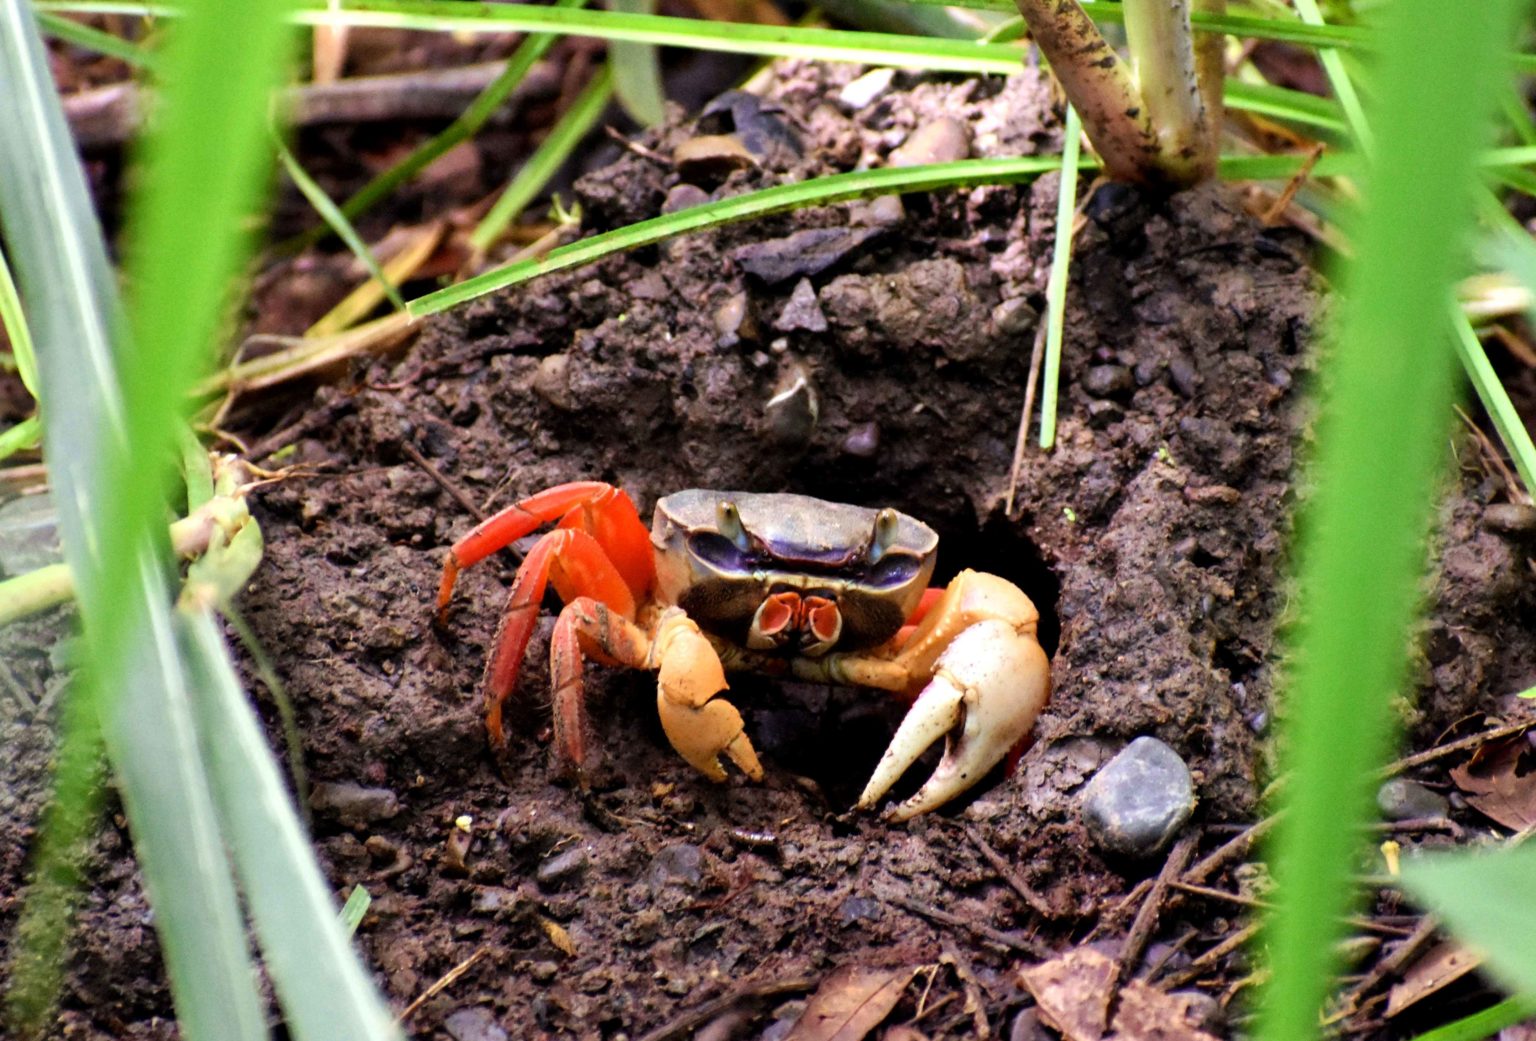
pixel 1401 799
pixel 354 804
pixel 473 1024
pixel 858 909
pixel 863 441
pixel 1510 518
pixel 1186 379
pixel 29 534
pixel 679 864
pixel 683 197
pixel 1108 381
pixel 1016 316
pixel 802 312
pixel 564 867
pixel 1104 413
pixel 1139 801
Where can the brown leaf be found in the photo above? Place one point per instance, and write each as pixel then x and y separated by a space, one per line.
pixel 851 1002
pixel 1438 968
pixel 1500 782
pixel 1073 993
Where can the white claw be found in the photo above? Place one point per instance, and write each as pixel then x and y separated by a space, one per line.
pixel 988 687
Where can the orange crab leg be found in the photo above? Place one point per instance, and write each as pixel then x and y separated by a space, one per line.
pixel 586 627
pixel 605 512
pixel 931 596
pixel 579 567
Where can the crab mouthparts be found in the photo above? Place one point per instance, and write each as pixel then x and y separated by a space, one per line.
pixel 786 620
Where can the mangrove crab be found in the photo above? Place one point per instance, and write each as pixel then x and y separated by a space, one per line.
pixel 777 583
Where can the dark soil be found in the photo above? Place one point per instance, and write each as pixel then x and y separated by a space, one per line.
pixel 1153 539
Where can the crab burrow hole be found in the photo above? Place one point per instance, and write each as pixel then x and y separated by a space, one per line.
pixel 834 736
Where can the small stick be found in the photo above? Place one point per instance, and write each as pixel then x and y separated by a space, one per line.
pixel 448 979
pixel 1212 956
pixel 1006 940
pixel 1390 965
pixel 1235 847
pixel 1357 921
pixel 453 490
pixel 1146 916
pixel 1006 872
pixel 1462 745
pixel 710 1009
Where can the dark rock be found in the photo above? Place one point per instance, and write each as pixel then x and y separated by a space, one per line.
pixel 1401 799
pixel 1181 370
pixel 1108 381
pixel 1104 413
pixel 1138 802
pixel 802 253
pixel 564 867
pixel 802 312
pixel 858 909
pixel 757 125
pixel 473 1024
pixel 791 414
pixel 678 864
pixel 353 804
pixel 863 441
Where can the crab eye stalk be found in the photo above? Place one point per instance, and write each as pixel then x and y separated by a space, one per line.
pixel 887 521
pixel 728 523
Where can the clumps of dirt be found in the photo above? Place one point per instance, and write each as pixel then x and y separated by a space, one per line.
pixel 1153 539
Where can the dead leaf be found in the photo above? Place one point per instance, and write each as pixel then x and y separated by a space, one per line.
pixel 1438 968
pixel 1500 782
pixel 1073 993
pixel 558 936
pixel 851 1002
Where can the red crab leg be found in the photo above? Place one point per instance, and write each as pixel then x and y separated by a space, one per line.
pixel 579 566
pixel 608 515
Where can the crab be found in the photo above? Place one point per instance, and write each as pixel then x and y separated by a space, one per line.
pixel 777 583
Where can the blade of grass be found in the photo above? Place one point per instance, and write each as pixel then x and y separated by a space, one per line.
pixel 14 321
pixel 21 437
pixel 1379 436
pixel 308 951
pixel 352 912
pixel 551 154
pixel 636 69
pixel 460 130
pixel 1495 399
pixel 1489 899
pixel 1483 1024
pixel 51 231
pixel 817 192
pixel 93 39
pixel 1056 284
pixel 337 222
pixel 1338 77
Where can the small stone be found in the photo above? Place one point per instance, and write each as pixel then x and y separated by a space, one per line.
pixel 353 804
pixel 858 909
pixel 945 140
pixel 29 534
pixel 1104 413
pixel 1139 800
pixel 882 211
pixel 684 197
pixel 1401 799
pixel 1181 370
pixel 863 441
pixel 473 1024
pixel 863 91
pixel 494 900
pixel 551 381
pixel 564 867
pixel 809 251
pixel 792 412
pixel 1510 518
pixel 733 321
pixel 802 312
pixel 1016 316
pixel 678 864
pixel 543 971
pixel 1108 381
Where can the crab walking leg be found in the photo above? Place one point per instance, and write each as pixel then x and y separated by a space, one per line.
pixel 587 628
pixel 607 514
pixel 578 566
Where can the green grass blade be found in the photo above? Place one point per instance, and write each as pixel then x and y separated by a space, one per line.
pixel 14 321
pixel 1495 399
pixel 1488 898
pixel 461 129
pixel 1338 77
pixel 323 989
pixel 546 159
pixel 1056 284
pixel 132 675
pixel 636 69
pixel 337 222
pixel 1380 439
pixel 94 39
pixel 352 912
pixel 1483 1024
pixel 21 437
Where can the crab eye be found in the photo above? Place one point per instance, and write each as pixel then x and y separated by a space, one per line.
pixel 719 552
pixel 887 522
pixel 894 569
